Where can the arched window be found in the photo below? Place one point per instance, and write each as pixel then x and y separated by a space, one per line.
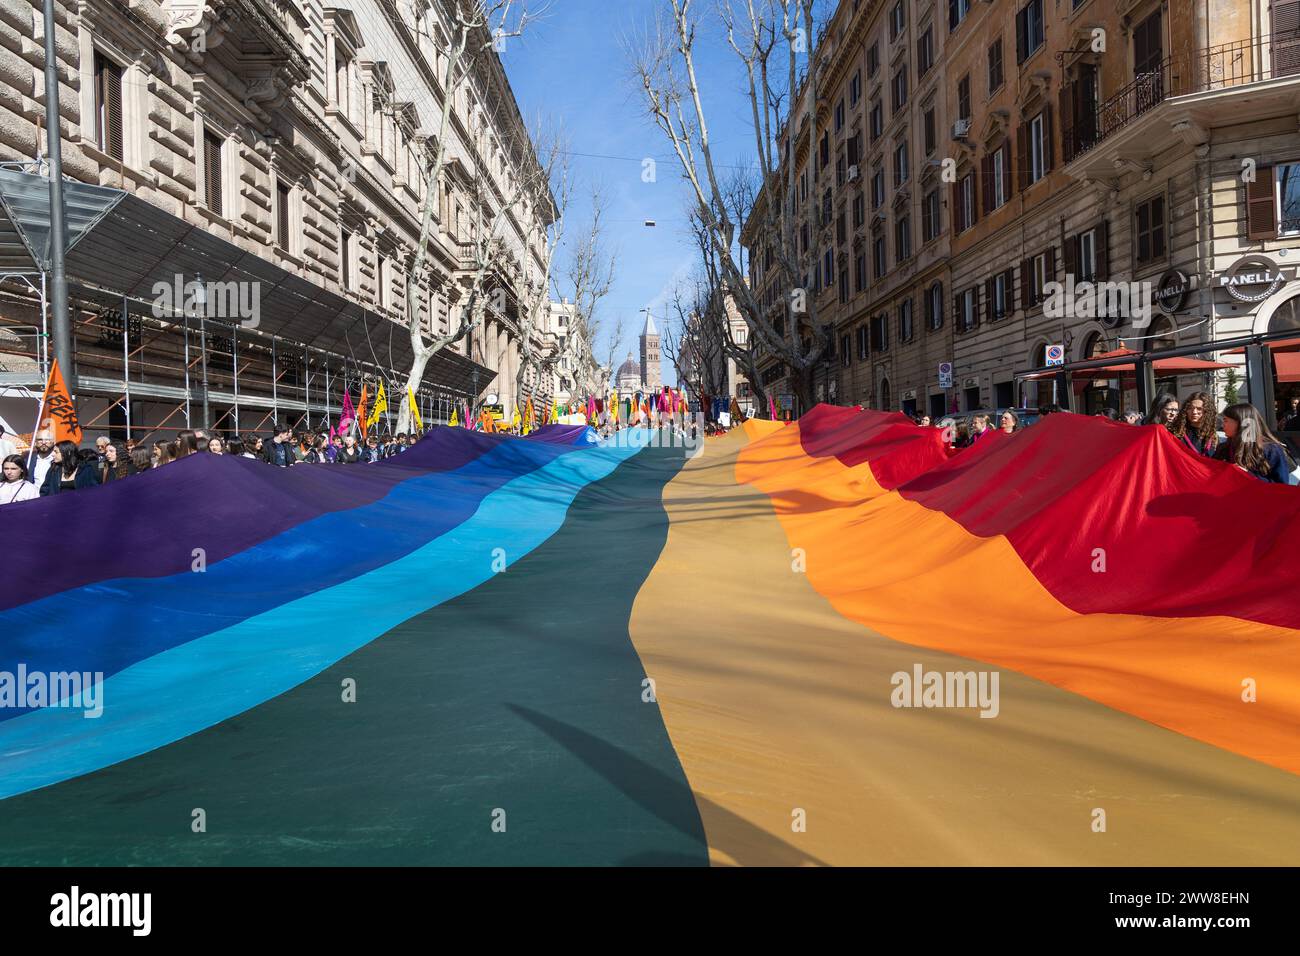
pixel 885 398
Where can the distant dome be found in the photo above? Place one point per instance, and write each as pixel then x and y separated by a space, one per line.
pixel 629 369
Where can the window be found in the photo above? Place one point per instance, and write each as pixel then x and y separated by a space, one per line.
pixel 1037 149
pixel 995 65
pixel 841 229
pixel 839 171
pixel 873 58
pixel 342 85
pixel 1029 30
pixel 899 90
pixel 905 321
pixel 876 120
pixel 846 356
pixel 1035 273
pixel 854 149
pixel 900 164
pixel 934 307
pixel 925 53
pixel 212 171
pixel 855 88
pixel 930 131
pixel 384 279
pixel 930 227
pixel 824 151
pixel 998 175
pixel 1148 46
pixel 1087 264
pixel 1151 229
pixel 897 21
pixel 828 268
pixel 963 97
pixel 108 106
pixel 877 188
pixel 1287 177
pixel 878 257
pixel 860 272
pixel 1000 295
pixel 880 333
pixel 957 10
pixel 903 238
pixel 965 213
pixel 862 341
pixel 282 197
pixel 844 289
pixel 345 258
pixel 839 116
pixel 966 305
pixel 859 211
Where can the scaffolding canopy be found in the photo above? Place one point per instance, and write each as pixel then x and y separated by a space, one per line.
pixel 25 217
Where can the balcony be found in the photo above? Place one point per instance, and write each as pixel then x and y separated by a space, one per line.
pixel 1183 96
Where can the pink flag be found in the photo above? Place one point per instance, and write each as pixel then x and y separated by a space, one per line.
pixel 348 417
pixel 771 408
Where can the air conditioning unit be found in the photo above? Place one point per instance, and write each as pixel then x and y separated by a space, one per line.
pixel 961 129
pixel 854 173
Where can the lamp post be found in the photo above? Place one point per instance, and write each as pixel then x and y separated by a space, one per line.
pixel 201 306
pixel 58 228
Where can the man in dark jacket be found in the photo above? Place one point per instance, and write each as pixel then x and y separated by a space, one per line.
pixel 281 453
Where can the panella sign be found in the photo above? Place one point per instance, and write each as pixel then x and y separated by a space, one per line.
pixel 1253 278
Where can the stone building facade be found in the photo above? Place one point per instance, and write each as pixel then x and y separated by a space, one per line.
pixel 294 135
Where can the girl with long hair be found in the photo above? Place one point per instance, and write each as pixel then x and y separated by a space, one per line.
pixel 1251 446
pixel 68 472
pixel 1194 425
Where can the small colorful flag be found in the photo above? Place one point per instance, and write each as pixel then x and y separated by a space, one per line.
pixel 361 408
pixel 454 420
pixel 415 411
pixel 57 411
pixel 381 406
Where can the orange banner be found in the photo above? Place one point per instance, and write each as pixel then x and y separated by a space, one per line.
pixel 58 413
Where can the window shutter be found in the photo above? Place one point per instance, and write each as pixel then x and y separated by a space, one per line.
pixel 1285 16
pixel 1022 34
pixel 1022 156
pixel 1103 251
pixel 212 171
pixel 1072 257
pixel 1006 170
pixel 958 214
pixel 1261 213
pixel 952 15
pixel 988 300
pixel 1051 264
pixel 1067 101
pixel 986 174
pixel 974 198
pixel 1047 138
pixel 1026 280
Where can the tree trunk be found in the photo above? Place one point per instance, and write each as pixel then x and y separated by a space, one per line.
pixel 413 378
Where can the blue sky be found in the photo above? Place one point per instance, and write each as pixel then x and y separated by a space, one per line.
pixel 571 67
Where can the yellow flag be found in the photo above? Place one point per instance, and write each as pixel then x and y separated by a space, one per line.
pixel 529 414
pixel 514 420
pixel 381 406
pixel 454 420
pixel 415 411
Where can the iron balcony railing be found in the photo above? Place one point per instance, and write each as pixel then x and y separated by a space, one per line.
pixel 1219 67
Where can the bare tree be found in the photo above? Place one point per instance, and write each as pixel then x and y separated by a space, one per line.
pixel 477 29
pixel 773 39
pixel 588 279
pixel 555 187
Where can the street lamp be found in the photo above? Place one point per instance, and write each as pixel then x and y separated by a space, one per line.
pixel 201 306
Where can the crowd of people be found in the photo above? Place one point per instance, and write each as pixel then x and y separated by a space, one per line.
pixel 1238 434
pixel 53 468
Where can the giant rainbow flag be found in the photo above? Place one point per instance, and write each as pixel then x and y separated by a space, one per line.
pixel 633 653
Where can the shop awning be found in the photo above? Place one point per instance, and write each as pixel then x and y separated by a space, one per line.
pixel 1288 366
pixel 1274 345
pixel 1164 367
